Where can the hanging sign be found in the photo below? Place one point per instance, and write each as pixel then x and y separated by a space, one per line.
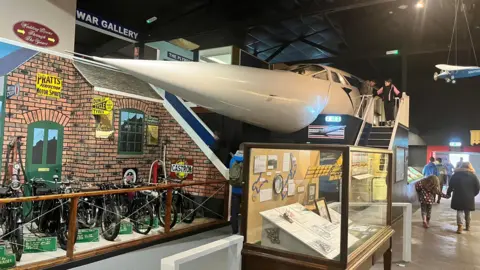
pixel 48 85
pixel 95 22
pixel 177 57
pixel 35 34
pixel 181 169
pixel 102 106
pixel 13 90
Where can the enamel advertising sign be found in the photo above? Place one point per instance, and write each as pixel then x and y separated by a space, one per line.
pixel 181 169
pixel 48 85
pixel 36 34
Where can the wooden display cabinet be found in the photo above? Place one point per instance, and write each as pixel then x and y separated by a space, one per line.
pixel 283 230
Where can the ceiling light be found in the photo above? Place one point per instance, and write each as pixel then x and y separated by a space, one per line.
pixel 403 6
pixel 420 4
pixel 390 12
pixel 151 20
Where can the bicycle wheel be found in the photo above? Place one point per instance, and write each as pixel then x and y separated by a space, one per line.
pixel 161 215
pixel 110 222
pixel 188 209
pixel 143 219
pixel 16 239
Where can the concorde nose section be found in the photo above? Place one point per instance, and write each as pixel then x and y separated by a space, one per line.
pixel 275 100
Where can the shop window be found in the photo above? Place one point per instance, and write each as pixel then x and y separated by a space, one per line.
pixel 131 132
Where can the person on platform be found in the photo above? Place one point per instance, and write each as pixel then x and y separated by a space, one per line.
pixel 427 189
pixel 442 175
pixel 236 169
pixel 465 186
pixel 430 168
pixel 367 87
pixel 450 170
pixel 388 93
pixel 459 164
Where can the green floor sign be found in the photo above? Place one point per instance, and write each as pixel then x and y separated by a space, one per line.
pixel 41 244
pixel 3 250
pixel 7 261
pixel 88 235
pixel 126 228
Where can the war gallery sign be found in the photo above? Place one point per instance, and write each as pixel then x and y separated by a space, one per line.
pixel 35 34
pixel 181 169
pixel 86 19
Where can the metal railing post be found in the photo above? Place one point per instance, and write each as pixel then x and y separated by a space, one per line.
pixel 168 210
pixel 227 199
pixel 72 227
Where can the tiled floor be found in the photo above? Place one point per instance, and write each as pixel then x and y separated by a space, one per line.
pixel 439 247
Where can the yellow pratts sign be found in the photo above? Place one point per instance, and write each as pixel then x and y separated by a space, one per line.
pixel 48 85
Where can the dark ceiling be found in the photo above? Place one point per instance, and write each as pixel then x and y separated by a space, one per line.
pixel 286 30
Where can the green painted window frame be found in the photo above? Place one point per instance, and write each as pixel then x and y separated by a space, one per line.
pixel 122 133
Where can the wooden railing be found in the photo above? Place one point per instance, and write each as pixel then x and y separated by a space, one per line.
pixel 70 256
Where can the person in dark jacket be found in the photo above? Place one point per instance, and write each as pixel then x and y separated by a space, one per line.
pixel 388 93
pixel 442 175
pixel 465 186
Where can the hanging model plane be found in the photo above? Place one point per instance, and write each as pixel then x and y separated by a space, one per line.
pixel 282 101
pixel 450 73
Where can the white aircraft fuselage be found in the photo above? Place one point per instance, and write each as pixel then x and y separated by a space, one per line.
pixel 277 100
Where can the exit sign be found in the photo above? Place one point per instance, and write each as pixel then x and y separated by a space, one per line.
pixel 392 52
pixel 455 144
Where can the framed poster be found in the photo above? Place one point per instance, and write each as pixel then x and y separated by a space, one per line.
pixel 326 132
pixel 322 209
pixel 152 135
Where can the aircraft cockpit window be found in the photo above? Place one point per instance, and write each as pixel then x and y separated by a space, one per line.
pixel 354 81
pixel 323 75
pixel 335 77
pixel 342 80
pixel 307 70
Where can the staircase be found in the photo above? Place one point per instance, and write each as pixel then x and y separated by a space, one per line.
pixel 380 137
pixel 193 126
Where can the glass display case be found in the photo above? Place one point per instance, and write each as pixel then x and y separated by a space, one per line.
pixel 310 205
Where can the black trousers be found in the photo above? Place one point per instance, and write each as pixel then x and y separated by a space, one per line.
pixel 235 211
pixel 389 110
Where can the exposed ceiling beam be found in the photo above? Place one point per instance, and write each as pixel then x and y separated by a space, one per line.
pixel 318 46
pixel 278 51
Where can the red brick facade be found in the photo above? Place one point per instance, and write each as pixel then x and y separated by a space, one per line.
pixel 87 157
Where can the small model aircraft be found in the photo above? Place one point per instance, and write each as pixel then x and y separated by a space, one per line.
pixel 450 73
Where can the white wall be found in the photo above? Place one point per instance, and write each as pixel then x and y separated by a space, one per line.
pixel 150 258
pixel 58 15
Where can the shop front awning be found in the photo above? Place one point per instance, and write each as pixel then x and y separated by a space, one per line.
pixel 117 83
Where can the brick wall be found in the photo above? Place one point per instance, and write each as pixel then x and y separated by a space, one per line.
pixel 89 158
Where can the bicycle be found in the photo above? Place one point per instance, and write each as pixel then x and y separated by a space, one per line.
pixel 137 208
pixel 52 216
pixel 100 210
pixel 11 218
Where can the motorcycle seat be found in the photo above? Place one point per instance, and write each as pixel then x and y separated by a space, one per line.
pixel 44 191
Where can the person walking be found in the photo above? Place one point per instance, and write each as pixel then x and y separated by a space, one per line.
pixel 450 170
pixel 442 175
pixel 430 168
pixel 388 93
pixel 427 189
pixel 465 186
pixel 459 164
pixel 236 181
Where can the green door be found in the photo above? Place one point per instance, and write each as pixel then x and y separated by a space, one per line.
pixel 44 150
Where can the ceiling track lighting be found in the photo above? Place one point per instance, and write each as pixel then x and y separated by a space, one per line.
pixel 420 4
